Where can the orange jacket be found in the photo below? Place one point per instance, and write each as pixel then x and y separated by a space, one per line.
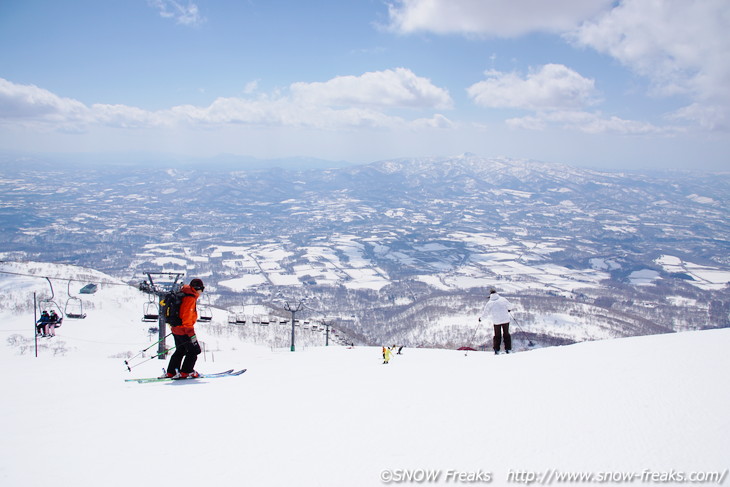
pixel 188 312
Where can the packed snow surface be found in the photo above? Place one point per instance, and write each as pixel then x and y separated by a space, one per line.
pixel 339 417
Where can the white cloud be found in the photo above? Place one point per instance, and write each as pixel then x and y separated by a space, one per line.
pixel 123 116
pixel 709 116
pixel 346 102
pixel 552 86
pixel 557 95
pixel 499 18
pixel 172 9
pixel 398 87
pixel 251 87
pixel 681 46
pixel 23 103
pixel 586 122
pixel 438 121
pixel 281 111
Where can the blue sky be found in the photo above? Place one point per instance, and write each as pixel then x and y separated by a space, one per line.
pixel 599 83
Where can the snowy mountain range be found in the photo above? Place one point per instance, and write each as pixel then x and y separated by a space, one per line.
pixel 398 250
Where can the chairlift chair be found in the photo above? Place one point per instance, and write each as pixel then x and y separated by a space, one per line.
pixel 151 311
pixel 48 305
pixel 240 319
pixel 74 309
pixel 74 306
pixel 205 313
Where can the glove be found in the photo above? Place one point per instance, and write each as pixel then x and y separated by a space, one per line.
pixel 194 346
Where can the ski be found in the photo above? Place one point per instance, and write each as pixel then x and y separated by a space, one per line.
pixel 212 376
pixel 216 375
pixel 225 373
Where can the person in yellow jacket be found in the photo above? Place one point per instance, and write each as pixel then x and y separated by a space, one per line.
pixel 386 355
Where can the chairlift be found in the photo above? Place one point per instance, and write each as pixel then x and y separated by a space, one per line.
pixel 231 318
pixel 48 305
pixel 240 319
pixel 74 309
pixel 151 310
pixel 205 313
pixel 74 306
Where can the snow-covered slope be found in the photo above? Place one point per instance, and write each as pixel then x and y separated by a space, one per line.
pixel 338 417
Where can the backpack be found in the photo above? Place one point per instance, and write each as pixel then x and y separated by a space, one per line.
pixel 171 307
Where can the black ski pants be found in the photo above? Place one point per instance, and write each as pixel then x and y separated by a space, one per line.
pixel 502 330
pixel 185 355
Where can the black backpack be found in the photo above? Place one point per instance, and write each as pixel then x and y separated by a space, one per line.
pixel 171 307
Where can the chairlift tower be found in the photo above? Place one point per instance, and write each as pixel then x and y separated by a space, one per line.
pixel 293 308
pixel 327 325
pixel 159 289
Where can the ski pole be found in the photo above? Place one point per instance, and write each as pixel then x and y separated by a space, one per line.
pixel 126 362
pixel 519 328
pixel 130 367
pixel 473 336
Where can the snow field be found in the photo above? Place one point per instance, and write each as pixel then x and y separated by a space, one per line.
pixel 337 416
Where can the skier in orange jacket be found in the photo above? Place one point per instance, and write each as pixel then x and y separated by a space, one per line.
pixel 187 348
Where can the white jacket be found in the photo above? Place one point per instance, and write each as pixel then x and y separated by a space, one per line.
pixel 497 309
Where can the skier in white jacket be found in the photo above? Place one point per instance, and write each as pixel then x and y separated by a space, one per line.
pixel 497 312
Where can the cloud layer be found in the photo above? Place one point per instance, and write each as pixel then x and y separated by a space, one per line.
pixel 494 18
pixel 679 46
pixel 185 14
pixel 340 103
pixel 552 86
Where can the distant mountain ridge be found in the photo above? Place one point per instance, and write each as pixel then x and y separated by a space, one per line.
pixel 376 242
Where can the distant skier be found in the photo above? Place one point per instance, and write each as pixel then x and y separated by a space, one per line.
pixel 400 349
pixel 386 355
pixel 187 348
pixel 497 311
